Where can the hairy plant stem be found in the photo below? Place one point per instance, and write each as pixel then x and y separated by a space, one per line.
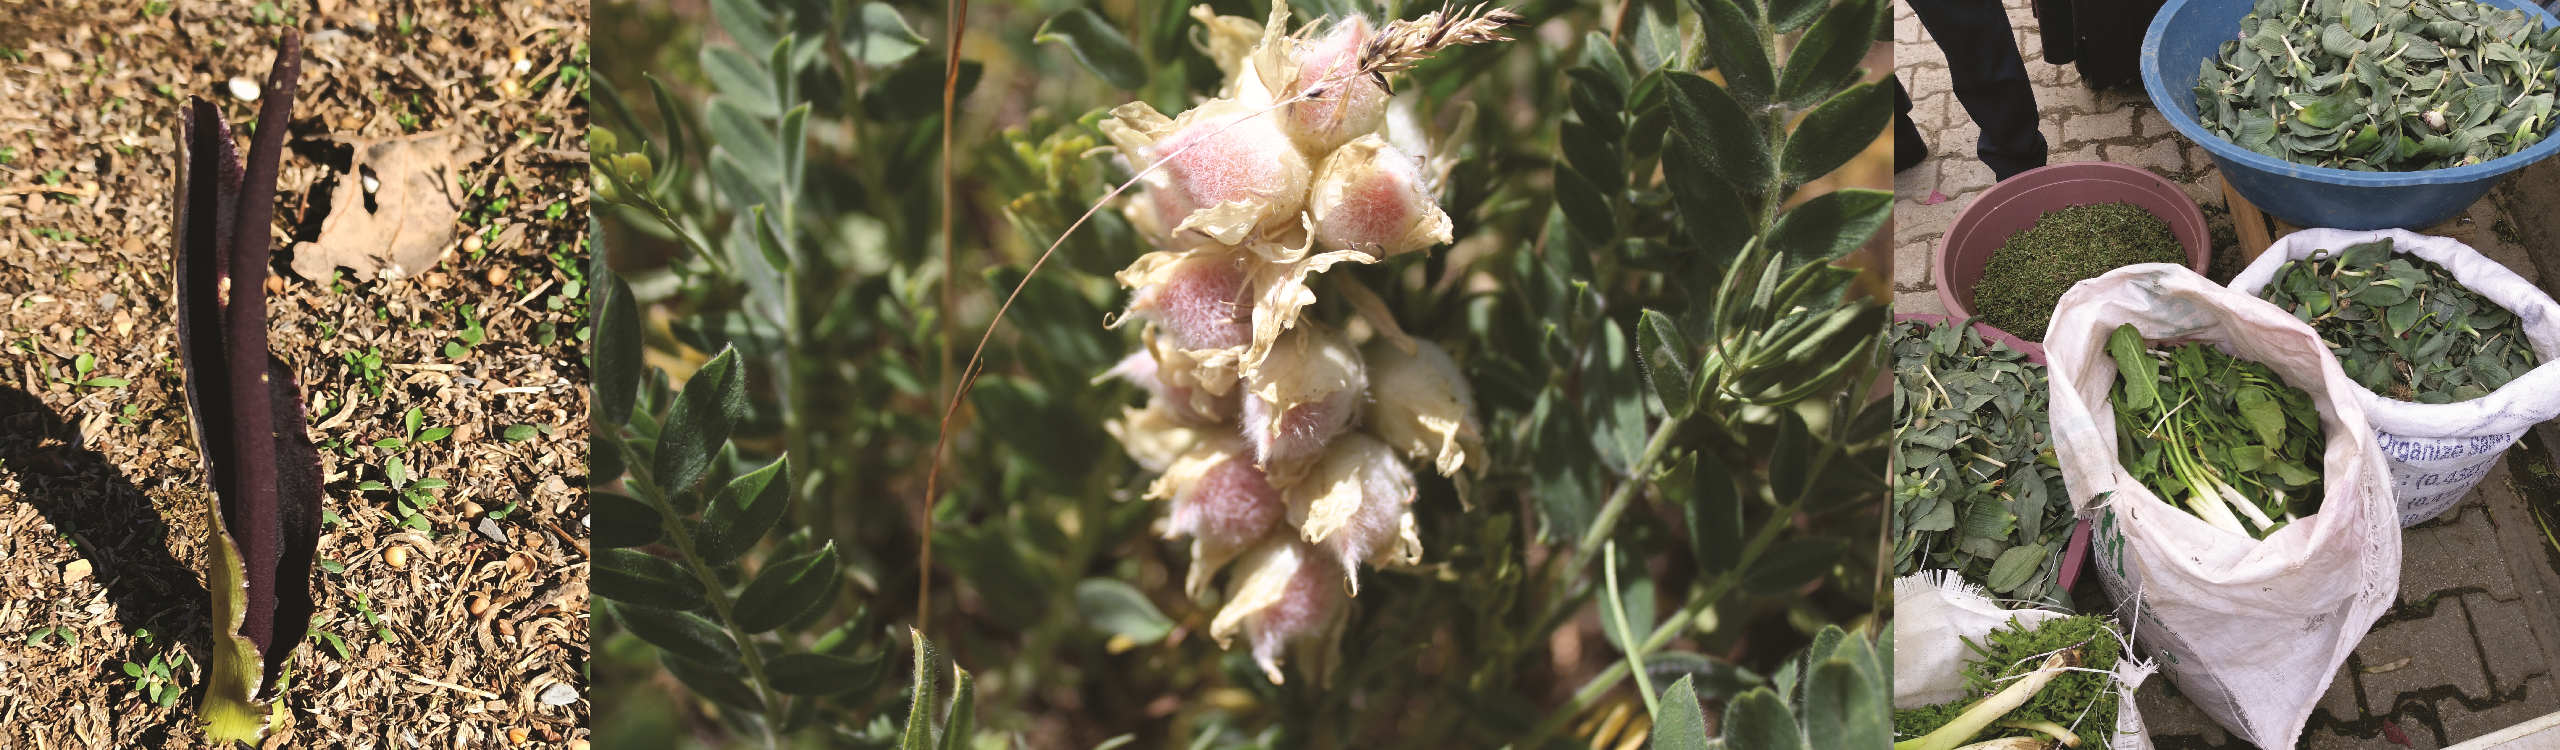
pixel 712 589
pixel 1671 628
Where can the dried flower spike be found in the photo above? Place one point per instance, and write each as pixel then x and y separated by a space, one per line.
pixel 245 409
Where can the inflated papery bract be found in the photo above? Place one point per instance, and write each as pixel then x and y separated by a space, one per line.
pixel 1255 400
pixel 245 407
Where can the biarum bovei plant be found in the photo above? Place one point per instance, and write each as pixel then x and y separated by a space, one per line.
pixel 1280 443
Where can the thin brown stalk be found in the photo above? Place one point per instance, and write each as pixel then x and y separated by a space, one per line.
pixel 1469 28
pixel 958 10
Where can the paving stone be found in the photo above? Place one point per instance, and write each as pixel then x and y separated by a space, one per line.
pixel 2149 123
pixel 2463 554
pixel 2158 156
pixel 2461 723
pixel 1961 176
pixel 2340 700
pixel 2505 633
pixel 2174 716
pixel 1908 27
pixel 1913 267
pixel 2198 159
pixel 1915 223
pixel 2117 124
pixel 1960 140
pixel 2083 153
pixel 2066 93
pixel 1935 112
pixel 2439 651
pixel 1927 81
pixel 2420 737
pixel 2048 74
pixel 1915 183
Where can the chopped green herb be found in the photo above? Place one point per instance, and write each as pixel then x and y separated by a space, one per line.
pixel 2028 274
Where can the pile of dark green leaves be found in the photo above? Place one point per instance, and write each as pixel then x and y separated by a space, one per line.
pixel 2029 273
pixel 2216 434
pixel 2382 85
pixel 2403 326
pixel 2083 701
pixel 1976 491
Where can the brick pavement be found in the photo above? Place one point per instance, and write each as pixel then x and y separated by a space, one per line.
pixel 2473 644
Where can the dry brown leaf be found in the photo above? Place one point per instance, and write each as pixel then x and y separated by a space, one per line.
pixel 412 219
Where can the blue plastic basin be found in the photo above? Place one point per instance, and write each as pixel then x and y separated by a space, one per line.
pixel 2186 32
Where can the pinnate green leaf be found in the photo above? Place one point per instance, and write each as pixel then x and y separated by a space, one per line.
pixel 1114 606
pixel 644 580
pixel 1836 131
pixel 743 512
pixel 821 674
pixel 1097 44
pixel 786 590
pixel 699 421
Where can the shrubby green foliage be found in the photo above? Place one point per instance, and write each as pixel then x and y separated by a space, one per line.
pixel 1673 373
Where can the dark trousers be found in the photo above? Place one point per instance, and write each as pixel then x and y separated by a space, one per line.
pixel 1990 79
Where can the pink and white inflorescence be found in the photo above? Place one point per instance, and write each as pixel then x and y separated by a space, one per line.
pixel 1280 444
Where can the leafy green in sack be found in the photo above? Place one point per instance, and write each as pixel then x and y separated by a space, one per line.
pixel 2222 437
pixel 2403 326
pixel 1978 491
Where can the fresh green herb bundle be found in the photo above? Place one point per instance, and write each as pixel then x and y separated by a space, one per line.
pixel 2382 85
pixel 2403 326
pixel 1976 491
pixel 2216 434
pixel 2080 702
pixel 2029 273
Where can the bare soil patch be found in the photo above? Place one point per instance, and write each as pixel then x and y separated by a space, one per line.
pixel 456 619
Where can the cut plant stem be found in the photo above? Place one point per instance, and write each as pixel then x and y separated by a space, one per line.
pixel 2060 733
pixel 1984 713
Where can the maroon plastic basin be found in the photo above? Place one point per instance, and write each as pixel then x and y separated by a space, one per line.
pixel 2016 203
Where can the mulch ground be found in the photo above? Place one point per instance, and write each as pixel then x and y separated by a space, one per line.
pixel 471 632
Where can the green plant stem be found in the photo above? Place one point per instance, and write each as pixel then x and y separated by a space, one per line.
pixel 1627 634
pixel 1607 520
pixel 1670 628
pixel 712 589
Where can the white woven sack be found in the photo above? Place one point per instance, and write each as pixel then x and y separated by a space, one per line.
pixel 2251 630
pixel 2440 451
pixel 1933 611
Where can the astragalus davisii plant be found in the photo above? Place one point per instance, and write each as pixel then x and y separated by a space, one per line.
pixel 1282 443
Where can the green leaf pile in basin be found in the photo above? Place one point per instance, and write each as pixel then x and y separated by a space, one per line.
pixel 2377 86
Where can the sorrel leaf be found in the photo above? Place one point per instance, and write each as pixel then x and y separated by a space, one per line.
pixel 245 407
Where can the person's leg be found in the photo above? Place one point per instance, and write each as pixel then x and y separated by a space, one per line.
pixel 1908 147
pixel 1990 79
